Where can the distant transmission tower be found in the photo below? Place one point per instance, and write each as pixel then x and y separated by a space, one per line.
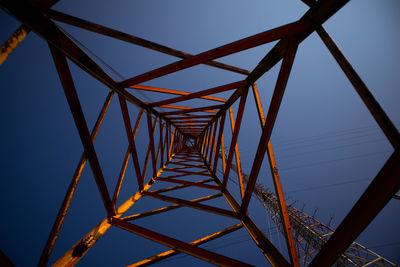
pixel 311 235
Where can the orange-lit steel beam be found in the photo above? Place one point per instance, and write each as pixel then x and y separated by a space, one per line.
pixel 162 142
pixel 133 39
pixel 213 143
pixel 209 140
pixel 372 201
pixel 167 208
pixel 204 141
pixel 19 35
pixel 180 186
pixel 151 138
pixel 132 145
pixel 190 122
pixel 190 110
pixel 267 248
pixel 185 159
pixel 189 127
pixel 182 166
pixel 237 155
pixel 200 173
pixel 167 140
pixel 178 245
pixel 159 143
pixel 176 176
pixel 171 144
pixel 198 206
pixel 208 186
pixel 278 187
pixel 33 17
pixel 146 161
pixel 240 45
pixel 191 116
pixel 15 39
pixel 200 166
pixel 199 94
pixel 235 136
pixel 45 28
pixel 77 113
pixel 223 153
pixel 185 108
pixel 73 255
pixel 269 123
pixel 186 120
pixel 125 162
pixel 220 132
pixel 198 242
pixel 172 92
pixel 44 258
pixel 317 15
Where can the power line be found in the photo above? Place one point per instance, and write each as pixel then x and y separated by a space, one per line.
pixel 327 186
pixel 333 160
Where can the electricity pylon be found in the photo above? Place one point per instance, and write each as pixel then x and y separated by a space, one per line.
pixel 311 235
pixel 188 137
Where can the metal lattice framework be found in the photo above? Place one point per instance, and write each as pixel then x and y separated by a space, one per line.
pixel 311 235
pixel 190 137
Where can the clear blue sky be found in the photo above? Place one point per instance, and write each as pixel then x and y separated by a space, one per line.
pixel 327 145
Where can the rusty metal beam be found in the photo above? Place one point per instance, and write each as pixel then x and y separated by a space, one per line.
pixel 270 120
pixel 372 201
pixel 209 139
pixel 186 172
pixel 235 136
pixel 132 145
pixel 198 206
pixel 223 154
pixel 179 186
pixel 151 138
pixel 221 130
pixel 213 142
pixel 33 17
pixel 90 26
pixel 190 110
pixel 291 246
pixel 15 39
pixel 184 108
pixel 125 162
pixel 62 213
pixel 167 208
pixel 19 35
pixel 267 248
pixel 237 155
pixel 208 186
pixel 77 113
pixel 146 161
pixel 161 142
pixel 317 15
pixel 172 92
pixel 73 255
pixel 240 45
pixel 198 242
pixel 178 245
pixel 199 94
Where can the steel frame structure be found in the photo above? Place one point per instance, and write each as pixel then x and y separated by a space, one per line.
pixel 310 235
pixel 189 140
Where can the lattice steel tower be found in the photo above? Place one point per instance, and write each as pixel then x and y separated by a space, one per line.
pixel 184 142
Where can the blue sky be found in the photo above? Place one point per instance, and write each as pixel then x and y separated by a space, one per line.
pixel 327 145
